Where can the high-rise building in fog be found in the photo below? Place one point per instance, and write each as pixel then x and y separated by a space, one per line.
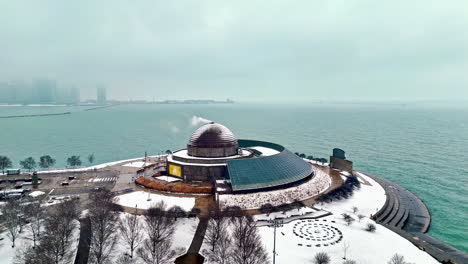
pixel 101 95
pixel 46 91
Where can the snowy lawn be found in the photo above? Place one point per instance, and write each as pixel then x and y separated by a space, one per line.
pixel 363 246
pixel 140 200
pixel 24 240
pixel 182 237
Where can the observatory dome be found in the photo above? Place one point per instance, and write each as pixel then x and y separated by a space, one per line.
pixel 213 141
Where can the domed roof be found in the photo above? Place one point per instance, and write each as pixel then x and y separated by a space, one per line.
pixel 212 135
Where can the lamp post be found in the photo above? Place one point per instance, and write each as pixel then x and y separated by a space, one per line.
pixel 275 223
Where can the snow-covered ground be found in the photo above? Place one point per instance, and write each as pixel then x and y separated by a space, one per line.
pixel 182 236
pixel 363 246
pixel 7 253
pixel 36 193
pixel 140 200
pixel 265 151
pixel 168 179
pixel 137 164
pixel 296 212
pixel 99 166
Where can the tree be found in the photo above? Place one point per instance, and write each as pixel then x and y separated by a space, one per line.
pixel 11 219
pixel 74 161
pixel 267 208
pixel 91 159
pixel 46 162
pixel 36 215
pixel 176 212
pixel 222 251
pixel 54 243
pixel 168 152
pixel 321 258
pixel 217 226
pixel 371 227
pixel 247 247
pixel 397 259
pixel 104 225
pixel 355 209
pixel 28 163
pixel 130 229
pixel 349 220
pixel 5 163
pixel 360 216
pixel 156 248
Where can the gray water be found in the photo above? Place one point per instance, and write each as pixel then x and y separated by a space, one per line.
pixel 423 148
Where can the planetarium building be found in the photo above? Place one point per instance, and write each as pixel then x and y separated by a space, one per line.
pixel 213 153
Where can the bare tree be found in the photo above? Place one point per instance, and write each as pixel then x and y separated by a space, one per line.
pixel 104 225
pixel 349 220
pixel 360 217
pixel 398 259
pixel 176 212
pixel 217 226
pixel 28 163
pixel 54 243
pixel 46 162
pixel 11 220
pixel 247 247
pixel 321 258
pixel 5 163
pixel 130 229
pixel 36 215
pixel 156 248
pixel 222 251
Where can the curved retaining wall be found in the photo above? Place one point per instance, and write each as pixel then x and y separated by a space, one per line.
pixel 405 214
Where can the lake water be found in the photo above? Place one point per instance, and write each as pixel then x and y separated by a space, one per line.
pixel 423 148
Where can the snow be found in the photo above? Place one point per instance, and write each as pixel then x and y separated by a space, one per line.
pixel 36 193
pixel 265 151
pixel 96 167
pixel 279 215
pixel 168 179
pixel 182 236
pixel 137 164
pixel 318 184
pixel 364 247
pixel 184 154
pixel 140 200
pixel 24 240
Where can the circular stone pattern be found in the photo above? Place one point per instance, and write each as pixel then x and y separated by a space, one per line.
pixel 317 233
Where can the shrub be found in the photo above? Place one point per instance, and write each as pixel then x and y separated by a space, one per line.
pixel 321 258
pixel 371 227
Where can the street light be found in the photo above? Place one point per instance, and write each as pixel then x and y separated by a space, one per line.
pixel 275 223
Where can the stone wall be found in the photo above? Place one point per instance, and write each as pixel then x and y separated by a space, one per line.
pixel 341 164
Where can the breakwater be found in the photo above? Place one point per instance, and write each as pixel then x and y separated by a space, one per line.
pixel 37 115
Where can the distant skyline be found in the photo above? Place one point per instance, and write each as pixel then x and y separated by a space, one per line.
pixel 263 51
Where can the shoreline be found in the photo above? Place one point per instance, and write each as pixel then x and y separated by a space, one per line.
pixel 414 223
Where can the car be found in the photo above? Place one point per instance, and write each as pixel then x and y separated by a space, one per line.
pixel 71 177
pixel 65 183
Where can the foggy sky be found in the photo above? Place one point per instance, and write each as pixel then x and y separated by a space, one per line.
pixel 244 50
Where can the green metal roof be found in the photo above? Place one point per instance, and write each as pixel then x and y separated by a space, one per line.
pixel 269 171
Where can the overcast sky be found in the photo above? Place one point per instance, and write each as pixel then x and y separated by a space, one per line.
pixel 245 50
